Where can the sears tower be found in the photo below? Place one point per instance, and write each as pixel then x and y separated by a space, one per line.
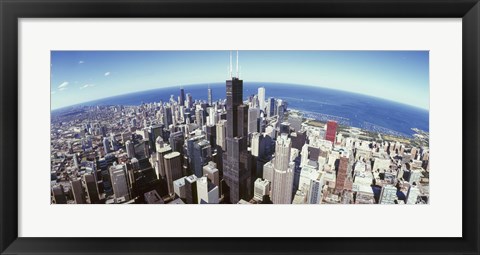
pixel 236 160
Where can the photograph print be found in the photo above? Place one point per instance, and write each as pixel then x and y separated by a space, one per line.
pixel 239 127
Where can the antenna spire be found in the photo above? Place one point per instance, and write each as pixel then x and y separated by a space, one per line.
pixel 238 76
pixel 231 64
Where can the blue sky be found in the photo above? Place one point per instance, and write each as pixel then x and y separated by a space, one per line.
pixel 81 76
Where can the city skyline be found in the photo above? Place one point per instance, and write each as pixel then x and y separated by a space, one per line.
pixel 82 76
pixel 237 148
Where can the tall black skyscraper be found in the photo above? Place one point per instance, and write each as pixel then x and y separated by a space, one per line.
pixel 236 160
pixel 182 97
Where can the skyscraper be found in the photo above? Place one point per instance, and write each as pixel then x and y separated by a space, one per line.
pixel 331 131
pixel 261 98
pixel 118 177
pixel 388 194
pixel 282 186
pixel 270 107
pixel 253 115
pixel 77 190
pixel 207 192
pixel 262 188
pixel 173 170
pixel 221 134
pixel 106 145
pixel 209 96
pixel 341 174
pixel 167 116
pixel 130 149
pixel 237 161
pixel 91 188
pixel 160 163
pixel 182 97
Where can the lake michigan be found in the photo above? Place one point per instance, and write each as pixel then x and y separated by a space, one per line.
pixel 350 109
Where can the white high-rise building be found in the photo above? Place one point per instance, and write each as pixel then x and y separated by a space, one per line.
pixel 256 140
pixel 262 188
pixel 283 185
pixel 212 116
pixel 268 171
pixel 283 147
pixel 412 195
pixel 119 183
pixel 388 194
pixel 211 172
pixel 130 149
pixel 261 98
pixel 221 134
pixel 207 192
pixel 283 172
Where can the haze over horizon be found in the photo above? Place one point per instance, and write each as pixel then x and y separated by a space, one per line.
pixel 83 76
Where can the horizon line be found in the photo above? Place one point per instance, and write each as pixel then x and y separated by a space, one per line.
pixel 180 86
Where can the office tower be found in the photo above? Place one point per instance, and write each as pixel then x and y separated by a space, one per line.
pixel 331 131
pixel 212 116
pixel 268 171
pixel 176 141
pixel 253 116
pixel 207 192
pixel 237 160
pixel 77 190
pixel 388 194
pixel 253 101
pixel 118 177
pixel 90 185
pixel 152 197
pixel 285 128
pixel 412 195
pixel 282 185
pixel 189 101
pixel 270 107
pixel 160 163
pixel 182 97
pixel 113 142
pixel 257 145
pixel 167 116
pixel 299 138
pixel 158 143
pixel 155 132
pixel 261 189
pixel 179 188
pixel 221 134
pixel 199 117
pixel 173 170
pixel 315 192
pixel 341 174
pixel 211 131
pixel 59 195
pixel 106 145
pixel 211 171
pixel 202 153
pixel 261 98
pixel 209 95
pixel 191 189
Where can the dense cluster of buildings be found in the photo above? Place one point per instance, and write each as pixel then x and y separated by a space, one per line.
pixel 255 151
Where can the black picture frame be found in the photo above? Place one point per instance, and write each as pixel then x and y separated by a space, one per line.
pixel 12 10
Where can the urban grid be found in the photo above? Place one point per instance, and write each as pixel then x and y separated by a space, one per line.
pixel 229 151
